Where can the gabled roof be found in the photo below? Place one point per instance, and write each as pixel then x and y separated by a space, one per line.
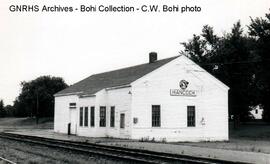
pixel 119 77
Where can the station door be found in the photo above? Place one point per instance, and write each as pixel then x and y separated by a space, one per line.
pixel 124 125
pixel 73 121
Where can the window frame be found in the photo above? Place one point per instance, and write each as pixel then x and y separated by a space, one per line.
pixel 112 117
pixel 156 116
pixel 81 117
pixel 191 116
pixel 86 113
pixel 72 105
pixel 102 116
pixel 92 116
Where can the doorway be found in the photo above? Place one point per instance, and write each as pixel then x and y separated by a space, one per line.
pixel 73 121
pixel 124 125
pixel 122 121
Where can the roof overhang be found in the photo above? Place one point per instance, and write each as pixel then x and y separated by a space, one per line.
pixel 67 94
pixel 118 87
pixel 86 95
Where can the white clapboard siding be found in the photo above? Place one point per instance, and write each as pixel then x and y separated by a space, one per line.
pixel 136 99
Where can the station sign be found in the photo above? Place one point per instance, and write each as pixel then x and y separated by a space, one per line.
pixel 183 91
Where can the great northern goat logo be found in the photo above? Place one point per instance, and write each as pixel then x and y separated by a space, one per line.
pixel 183 84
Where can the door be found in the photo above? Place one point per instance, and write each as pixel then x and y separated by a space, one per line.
pixel 73 121
pixel 122 121
pixel 123 126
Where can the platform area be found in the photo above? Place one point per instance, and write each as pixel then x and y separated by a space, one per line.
pixel 203 149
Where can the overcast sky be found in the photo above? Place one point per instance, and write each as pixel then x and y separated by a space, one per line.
pixel 76 45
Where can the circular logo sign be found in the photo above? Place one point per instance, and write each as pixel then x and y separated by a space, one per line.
pixel 183 84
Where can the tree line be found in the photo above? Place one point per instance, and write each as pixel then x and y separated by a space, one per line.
pixel 35 99
pixel 239 59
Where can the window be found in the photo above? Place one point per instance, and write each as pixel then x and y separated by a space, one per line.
pixel 122 120
pixel 191 116
pixel 112 116
pixel 72 105
pixel 86 116
pixel 81 116
pixel 92 116
pixel 155 115
pixel 102 115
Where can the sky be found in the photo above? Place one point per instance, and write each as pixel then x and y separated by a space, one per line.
pixel 75 45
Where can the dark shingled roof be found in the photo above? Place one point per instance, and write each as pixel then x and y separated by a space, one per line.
pixel 119 77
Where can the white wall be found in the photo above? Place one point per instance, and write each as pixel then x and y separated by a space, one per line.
pixel 215 107
pixel 211 103
pixel 154 89
pixel 120 99
pixel 61 112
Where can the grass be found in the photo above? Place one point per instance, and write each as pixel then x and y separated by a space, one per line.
pixel 247 137
pixel 254 131
pixel 29 123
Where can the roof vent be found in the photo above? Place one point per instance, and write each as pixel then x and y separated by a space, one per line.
pixel 152 57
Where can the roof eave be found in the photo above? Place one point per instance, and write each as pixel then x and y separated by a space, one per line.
pixel 118 87
pixel 67 94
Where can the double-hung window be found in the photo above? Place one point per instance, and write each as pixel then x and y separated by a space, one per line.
pixel 191 116
pixel 112 116
pixel 102 115
pixel 155 115
pixel 81 116
pixel 92 116
pixel 86 116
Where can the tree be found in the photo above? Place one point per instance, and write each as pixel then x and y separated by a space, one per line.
pixel 2 110
pixel 36 97
pixel 9 110
pixel 226 57
pixel 259 29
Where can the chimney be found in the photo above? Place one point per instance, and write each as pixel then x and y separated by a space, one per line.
pixel 152 57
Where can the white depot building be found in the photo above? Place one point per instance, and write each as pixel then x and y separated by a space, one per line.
pixel 171 99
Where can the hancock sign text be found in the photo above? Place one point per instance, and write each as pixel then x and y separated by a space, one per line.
pixel 183 91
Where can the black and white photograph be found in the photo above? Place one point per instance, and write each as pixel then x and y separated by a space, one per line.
pixel 125 81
